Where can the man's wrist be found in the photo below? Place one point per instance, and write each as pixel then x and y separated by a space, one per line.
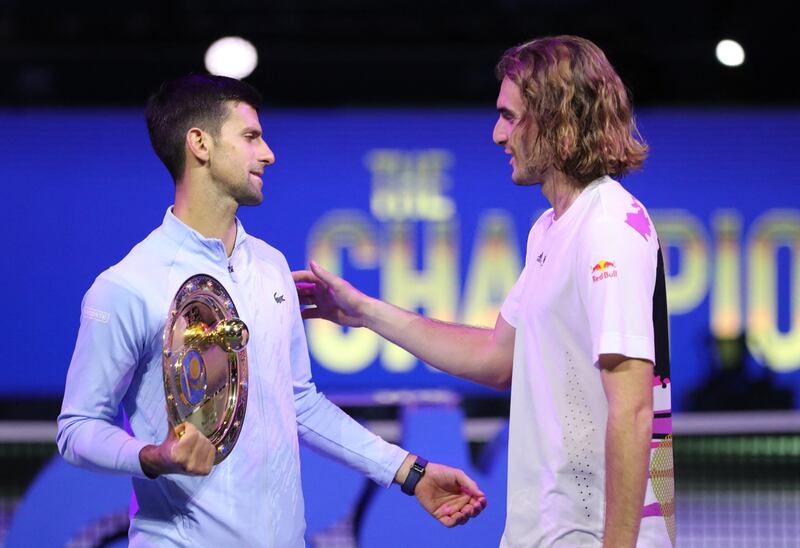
pixel 368 312
pixel 414 476
pixel 149 459
pixel 402 472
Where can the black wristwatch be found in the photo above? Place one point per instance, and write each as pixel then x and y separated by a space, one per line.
pixel 414 475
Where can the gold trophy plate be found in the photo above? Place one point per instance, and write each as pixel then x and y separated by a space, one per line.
pixel 205 362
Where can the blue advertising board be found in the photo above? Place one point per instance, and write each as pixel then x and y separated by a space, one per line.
pixel 416 207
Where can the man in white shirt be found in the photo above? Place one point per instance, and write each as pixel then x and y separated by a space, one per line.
pixel 577 339
pixel 206 130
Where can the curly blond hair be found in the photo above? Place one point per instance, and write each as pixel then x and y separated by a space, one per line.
pixel 578 117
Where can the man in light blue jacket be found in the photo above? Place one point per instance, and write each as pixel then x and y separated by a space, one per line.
pixel 206 131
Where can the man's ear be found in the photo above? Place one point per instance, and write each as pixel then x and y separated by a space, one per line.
pixel 198 143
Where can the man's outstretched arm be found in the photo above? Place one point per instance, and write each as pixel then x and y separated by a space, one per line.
pixel 448 494
pixel 478 354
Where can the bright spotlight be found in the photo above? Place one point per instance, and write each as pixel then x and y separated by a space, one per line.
pixel 730 53
pixel 231 56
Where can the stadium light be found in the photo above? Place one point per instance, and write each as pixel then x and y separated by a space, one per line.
pixel 730 53
pixel 231 56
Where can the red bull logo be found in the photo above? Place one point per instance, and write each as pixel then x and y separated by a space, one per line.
pixel 603 270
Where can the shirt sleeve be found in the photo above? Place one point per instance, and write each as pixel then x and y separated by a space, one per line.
pixel 510 308
pixel 616 271
pixel 326 428
pixel 105 358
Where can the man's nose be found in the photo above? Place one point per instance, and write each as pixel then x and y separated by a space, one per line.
pixel 266 155
pixel 499 134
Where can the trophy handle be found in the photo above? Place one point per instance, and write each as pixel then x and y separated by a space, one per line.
pixel 230 335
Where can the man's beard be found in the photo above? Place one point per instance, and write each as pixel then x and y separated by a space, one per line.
pixel 526 174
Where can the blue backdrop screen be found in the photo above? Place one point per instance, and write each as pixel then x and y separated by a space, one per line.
pixel 414 206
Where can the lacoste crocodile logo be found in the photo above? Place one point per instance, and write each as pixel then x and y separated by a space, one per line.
pixel 278 298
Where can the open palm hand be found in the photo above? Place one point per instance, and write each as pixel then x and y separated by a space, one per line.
pixel 449 495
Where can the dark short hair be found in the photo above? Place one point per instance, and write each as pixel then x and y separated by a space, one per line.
pixel 580 107
pixel 197 100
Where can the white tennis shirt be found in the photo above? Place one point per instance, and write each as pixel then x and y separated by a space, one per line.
pixel 587 289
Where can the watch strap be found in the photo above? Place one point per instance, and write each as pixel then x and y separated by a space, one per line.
pixel 414 475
